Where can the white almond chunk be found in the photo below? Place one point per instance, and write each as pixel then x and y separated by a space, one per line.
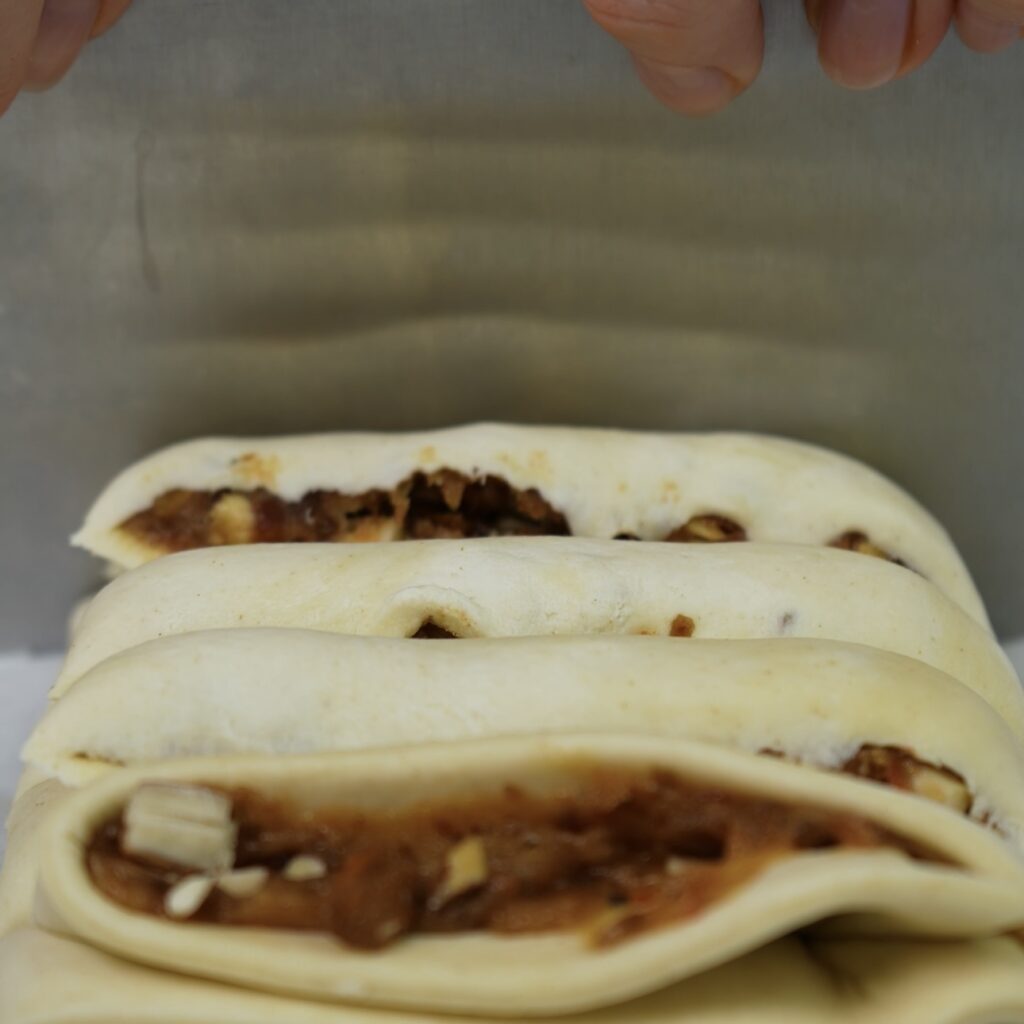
pixel 707 528
pixel 675 866
pixel 170 800
pixel 604 922
pixel 942 788
pixel 388 930
pixel 453 488
pixel 181 824
pixel 865 546
pixel 187 897
pixel 244 882
pixel 190 844
pixel 466 868
pixel 370 529
pixel 304 869
pixel 232 520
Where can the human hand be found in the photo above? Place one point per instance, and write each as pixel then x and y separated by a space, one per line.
pixel 697 56
pixel 40 39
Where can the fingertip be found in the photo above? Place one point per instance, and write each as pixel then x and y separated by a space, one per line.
pixel 695 56
pixel 20 25
pixel 814 10
pixel 695 92
pixel 110 14
pixel 861 43
pixel 7 97
pixel 929 27
pixel 63 30
pixel 983 33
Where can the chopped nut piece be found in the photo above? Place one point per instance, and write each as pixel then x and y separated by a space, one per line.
pixel 862 544
pixel 371 531
pixel 904 770
pixel 187 897
pixel 243 882
pixel 601 930
pixel 171 800
pixel 189 826
pixel 232 520
pixel 187 844
pixel 854 540
pixel 708 529
pixel 388 931
pixel 941 786
pixel 465 869
pixel 675 866
pixel 304 869
pixel 453 487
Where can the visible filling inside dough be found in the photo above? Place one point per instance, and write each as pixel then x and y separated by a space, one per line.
pixel 445 504
pixel 441 504
pixel 708 529
pixel 430 630
pixel 901 769
pixel 682 625
pixel 893 766
pixel 626 852
pixel 862 544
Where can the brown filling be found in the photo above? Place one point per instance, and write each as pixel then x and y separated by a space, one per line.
pixel 682 625
pixel 627 852
pixel 900 769
pixel 893 766
pixel 443 504
pixel 430 630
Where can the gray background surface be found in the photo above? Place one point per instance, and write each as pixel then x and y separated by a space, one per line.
pixel 250 216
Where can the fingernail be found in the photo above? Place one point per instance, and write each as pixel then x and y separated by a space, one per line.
pixel 64 28
pixel 983 33
pixel 693 91
pixel 862 41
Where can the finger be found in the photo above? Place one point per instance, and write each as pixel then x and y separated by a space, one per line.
pixel 694 55
pixel 861 43
pixel 63 30
pixel 929 26
pixel 989 26
pixel 20 20
pixel 110 14
pixel 930 22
